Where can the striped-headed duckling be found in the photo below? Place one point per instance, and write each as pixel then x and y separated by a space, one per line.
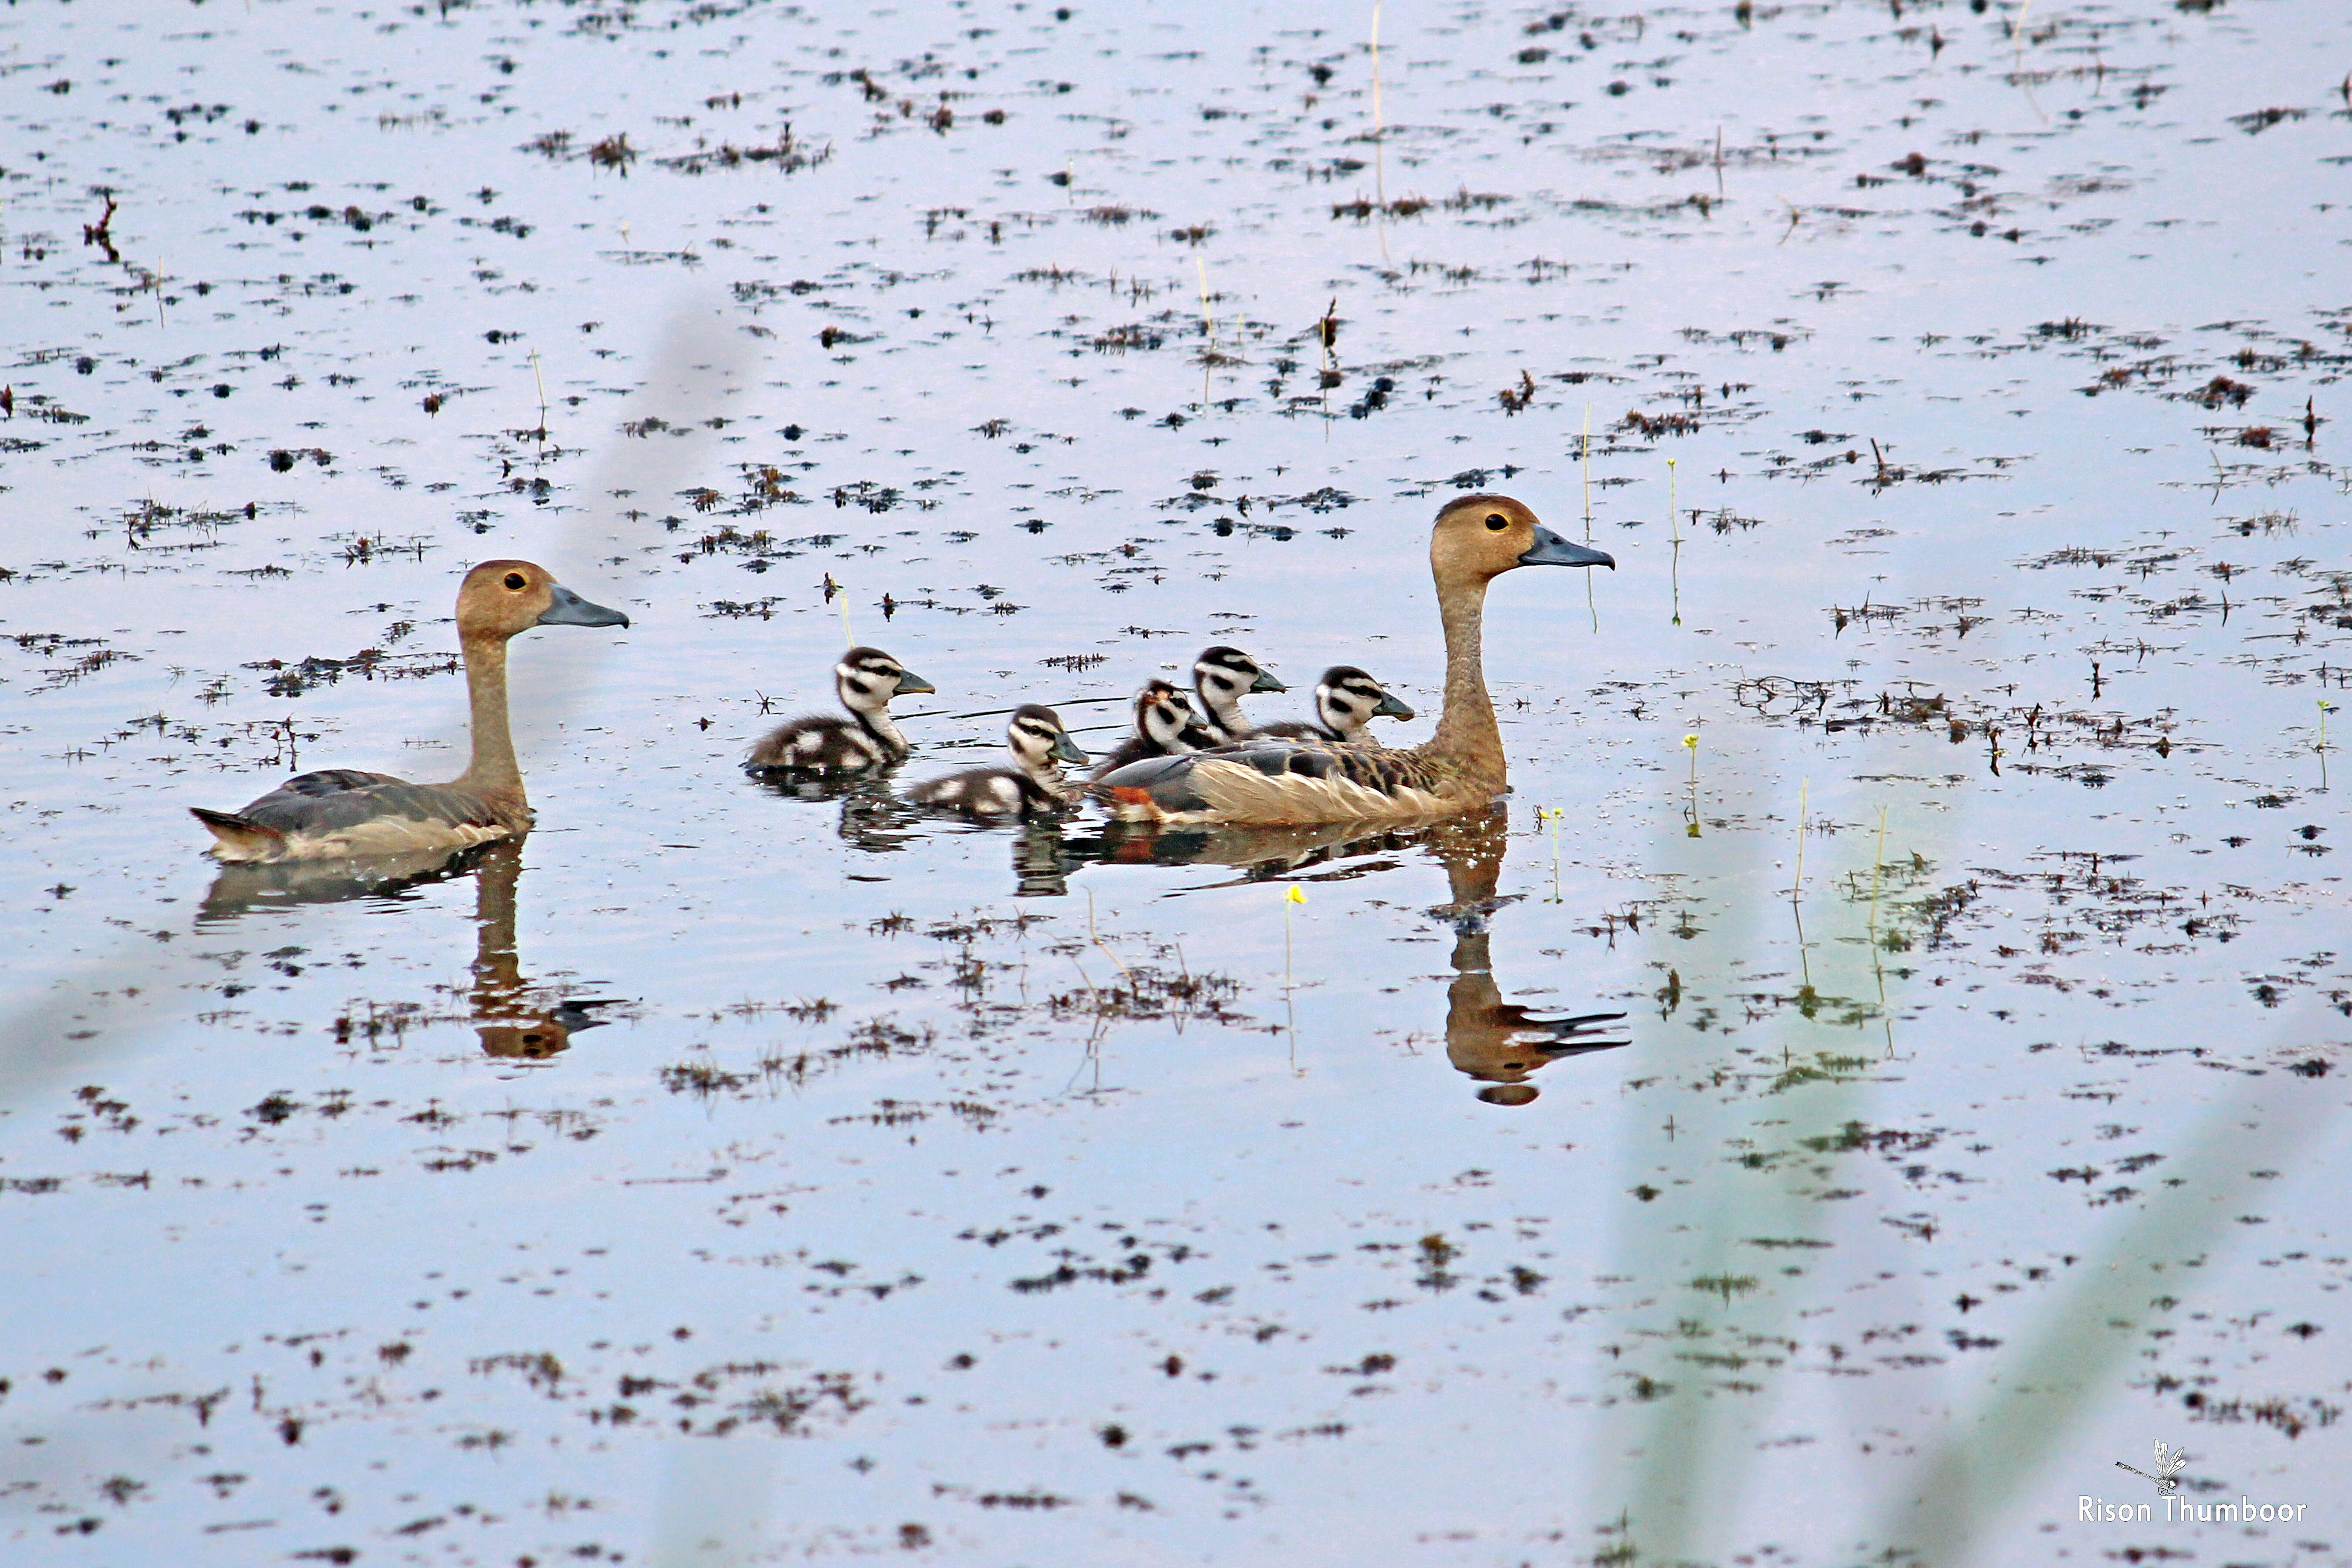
pixel 1345 701
pixel 1032 787
pixel 866 678
pixel 1165 726
pixel 1223 677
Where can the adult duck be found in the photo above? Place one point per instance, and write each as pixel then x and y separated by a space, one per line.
pixel 1476 540
pixel 342 812
pixel 1345 701
pixel 865 679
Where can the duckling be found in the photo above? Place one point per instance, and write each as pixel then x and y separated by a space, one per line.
pixel 343 812
pixel 1165 726
pixel 1476 539
pixel 1032 786
pixel 866 678
pixel 1346 701
pixel 1223 676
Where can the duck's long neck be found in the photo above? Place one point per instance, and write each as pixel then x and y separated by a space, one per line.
pixel 1466 734
pixel 491 770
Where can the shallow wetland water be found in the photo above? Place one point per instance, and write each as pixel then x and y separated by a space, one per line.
pixel 728 1173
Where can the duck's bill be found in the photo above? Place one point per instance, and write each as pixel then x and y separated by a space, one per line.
pixel 909 684
pixel 1551 550
pixel 1265 682
pixel 1390 708
pixel 568 610
pixel 1067 750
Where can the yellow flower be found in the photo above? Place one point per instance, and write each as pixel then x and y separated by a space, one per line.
pixel 1297 895
pixel 1692 742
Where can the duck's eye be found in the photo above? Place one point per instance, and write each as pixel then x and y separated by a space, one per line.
pixel 517 581
pixel 1497 521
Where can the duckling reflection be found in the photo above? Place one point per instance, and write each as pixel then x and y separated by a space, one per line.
pixel 1500 1043
pixel 513 1017
pixel 1041 863
pixel 872 817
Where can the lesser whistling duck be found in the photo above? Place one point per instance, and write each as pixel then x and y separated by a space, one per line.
pixel 1032 786
pixel 343 812
pixel 866 678
pixel 1223 676
pixel 1346 701
pixel 1165 726
pixel 1476 539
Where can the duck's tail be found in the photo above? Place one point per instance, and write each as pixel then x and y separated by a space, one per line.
pixel 240 837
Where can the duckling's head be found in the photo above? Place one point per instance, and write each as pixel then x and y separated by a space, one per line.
pixel 1039 739
pixel 867 678
pixel 1164 711
pixel 1347 699
pixel 1229 672
pixel 500 598
pixel 1479 538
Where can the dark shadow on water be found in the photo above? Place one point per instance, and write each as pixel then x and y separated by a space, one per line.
pixel 514 1018
pixel 1500 1043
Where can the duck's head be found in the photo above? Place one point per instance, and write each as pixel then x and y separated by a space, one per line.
pixel 1347 699
pixel 1479 538
pixel 500 598
pixel 1229 673
pixel 867 678
pixel 1039 739
pixel 1164 711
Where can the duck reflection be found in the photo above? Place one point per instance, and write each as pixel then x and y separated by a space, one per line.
pixel 514 1018
pixel 1500 1044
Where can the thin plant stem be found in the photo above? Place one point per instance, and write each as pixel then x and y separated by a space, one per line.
pixel 1592 605
pixel 1379 142
pixel 1796 887
pixel 1674 529
pixel 1877 963
pixel 1098 941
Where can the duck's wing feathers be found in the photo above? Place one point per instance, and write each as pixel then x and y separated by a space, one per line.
pixel 1282 782
pixel 343 811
